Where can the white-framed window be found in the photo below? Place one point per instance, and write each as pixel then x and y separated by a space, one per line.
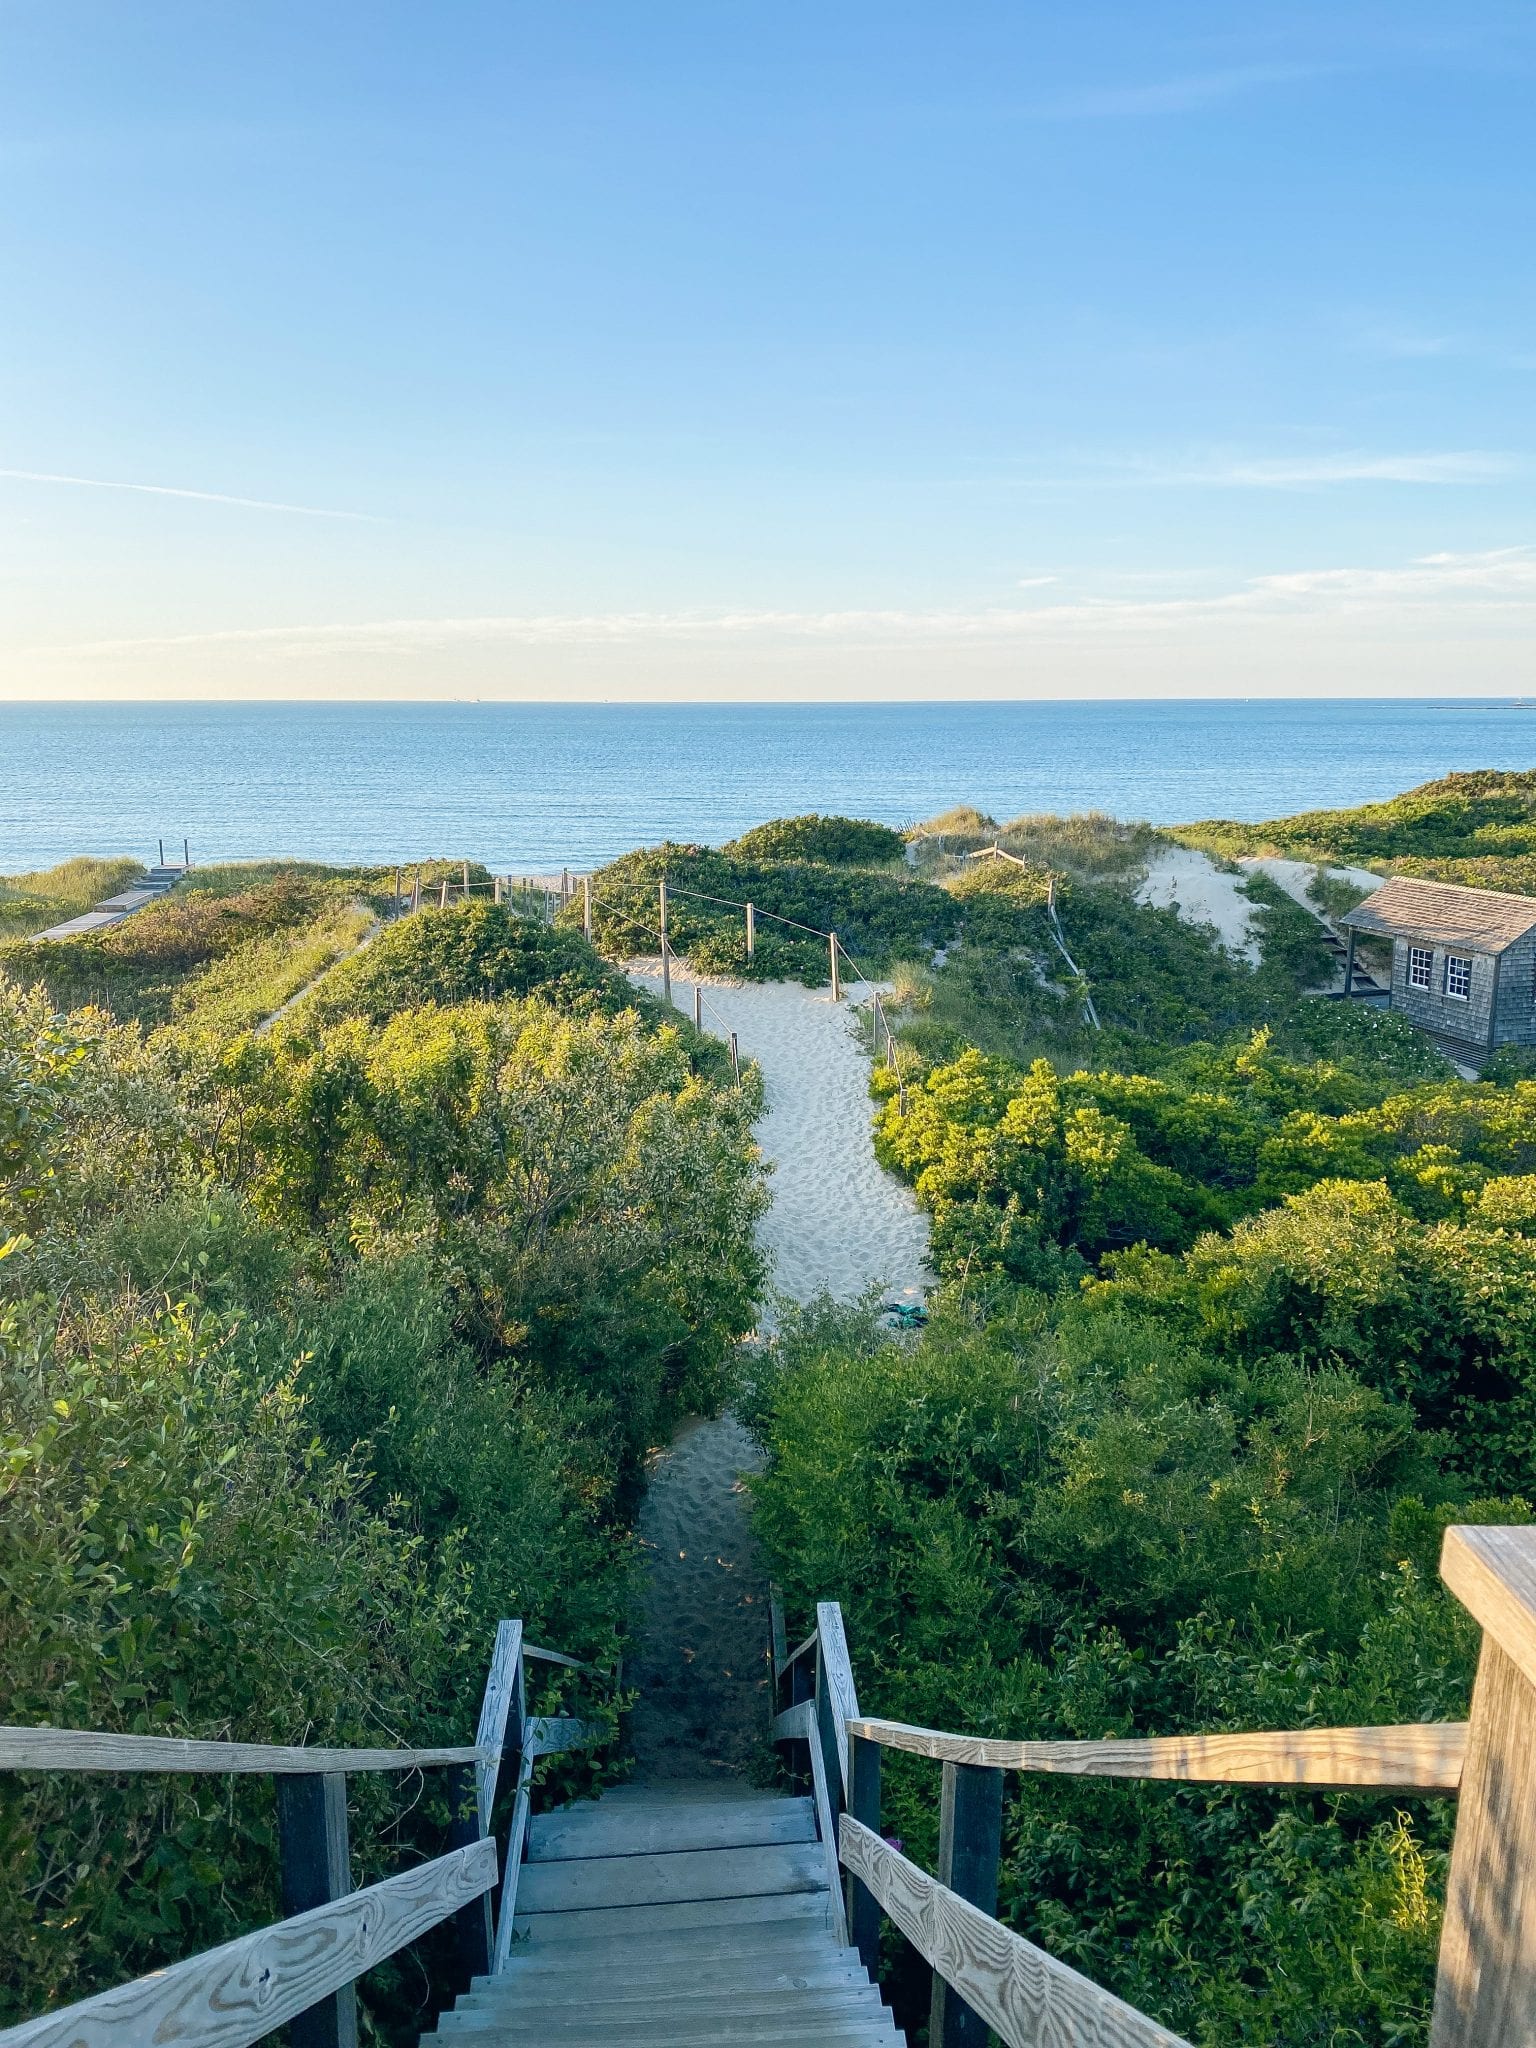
pixel 1458 976
pixel 1420 962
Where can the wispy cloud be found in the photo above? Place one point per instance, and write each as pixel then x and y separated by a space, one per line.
pixel 1184 94
pixel 1228 471
pixel 1492 587
pixel 1406 344
pixel 101 483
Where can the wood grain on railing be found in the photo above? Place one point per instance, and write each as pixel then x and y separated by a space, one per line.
pixel 795 1724
pixel 87 1749
pixel 1492 1572
pixel 1420 1757
pixel 495 1706
pixel 506 1912
pixel 1026 1996
pixel 231 1996
pixel 800 1650
pixel 559 1657
pixel 826 1827
pixel 837 1677
pixel 552 1734
pixel 1485 1987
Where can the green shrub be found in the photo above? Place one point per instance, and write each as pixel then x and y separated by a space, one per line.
pixel 31 903
pixel 1042 1524
pixel 877 916
pixel 837 842
pixel 475 953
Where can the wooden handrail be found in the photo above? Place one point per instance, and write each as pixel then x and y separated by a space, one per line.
pixel 570 1663
pixel 1492 1572
pixel 1418 1757
pixel 1025 1995
pixel 229 1997
pixel 800 1650
pixel 503 1687
pixel 89 1749
pixel 835 1672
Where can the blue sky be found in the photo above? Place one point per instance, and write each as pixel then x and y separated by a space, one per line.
pixel 483 349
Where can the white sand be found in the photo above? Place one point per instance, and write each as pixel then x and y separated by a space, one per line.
pixel 1182 879
pixel 837 1222
pixel 1295 876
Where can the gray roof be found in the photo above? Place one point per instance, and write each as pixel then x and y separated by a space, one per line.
pixel 1482 920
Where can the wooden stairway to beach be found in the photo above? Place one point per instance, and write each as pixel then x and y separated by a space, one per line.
pixel 678 1913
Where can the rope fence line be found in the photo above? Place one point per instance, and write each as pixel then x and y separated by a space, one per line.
pixel 501 889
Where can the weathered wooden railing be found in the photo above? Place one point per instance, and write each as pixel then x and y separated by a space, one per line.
pixel 305 1967
pixel 987 1977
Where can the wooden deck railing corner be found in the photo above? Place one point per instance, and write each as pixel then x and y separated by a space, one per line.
pixel 987 1977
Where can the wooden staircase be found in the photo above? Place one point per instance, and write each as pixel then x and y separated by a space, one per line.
pixel 675 1913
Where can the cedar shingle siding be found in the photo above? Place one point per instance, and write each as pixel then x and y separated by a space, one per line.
pixel 1497 933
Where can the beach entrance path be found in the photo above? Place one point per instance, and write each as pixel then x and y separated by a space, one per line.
pixel 837 1223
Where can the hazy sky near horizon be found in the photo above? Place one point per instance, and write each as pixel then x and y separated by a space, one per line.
pixel 806 350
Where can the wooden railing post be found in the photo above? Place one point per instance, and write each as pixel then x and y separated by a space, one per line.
pixel 864 1805
pixel 312 1845
pixel 802 1686
pixel 826 1736
pixel 473 1922
pixel 970 1847
pixel 1485 1992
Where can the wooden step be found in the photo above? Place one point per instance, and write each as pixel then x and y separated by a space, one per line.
pixel 521 1984
pixel 644 1828
pixel 671 1879
pixel 807 1907
pixel 787 2031
pixel 726 1952
pixel 807 2014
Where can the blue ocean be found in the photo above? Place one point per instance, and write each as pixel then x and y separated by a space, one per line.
pixel 529 787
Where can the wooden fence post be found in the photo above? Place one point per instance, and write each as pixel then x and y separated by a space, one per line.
pixel 735 1060
pixel 397 892
pixel 666 958
pixel 586 907
pixel 837 987
pixel 312 1844
pixel 466 881
pixel 864 1805
pixel 751 930
pixel 698 1007
pixel 473 1921
pixel 970 1847
pixel 1485 1989
pixel 442 901
pixel 496 889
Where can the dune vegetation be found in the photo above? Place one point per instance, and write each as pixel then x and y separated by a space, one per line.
pixel 1233 1319
pixel 322 1347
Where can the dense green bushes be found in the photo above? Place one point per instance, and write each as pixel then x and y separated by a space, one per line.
pixel 838 842
pixel 1060 1519
pixel 1476 828
pixel 877 915
pixel 1154 979
pixel 320 1351
pixel 463 955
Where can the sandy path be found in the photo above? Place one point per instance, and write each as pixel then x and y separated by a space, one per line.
pixel 1182 879
pixel 837 1222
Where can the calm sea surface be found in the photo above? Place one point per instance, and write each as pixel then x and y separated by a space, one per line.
pixel 530 787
